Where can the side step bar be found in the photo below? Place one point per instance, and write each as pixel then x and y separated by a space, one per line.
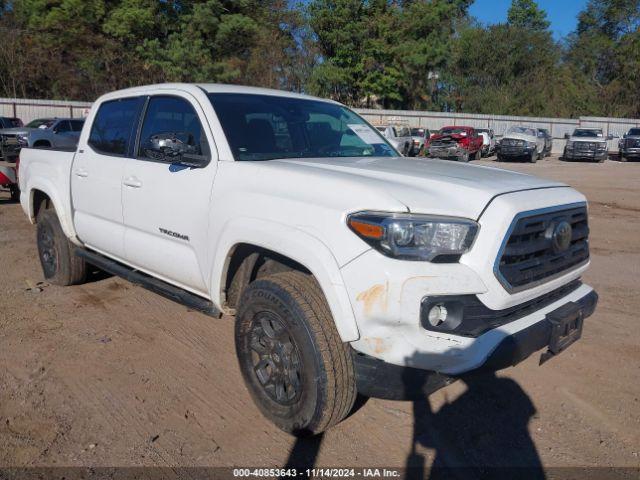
pixel 136 277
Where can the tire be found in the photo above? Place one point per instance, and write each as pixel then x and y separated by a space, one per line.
pixel 287 314
pixel 59 263
pixel 499 158
pixel 464 157
pixel 478 155
pixel 621 156
pixel 15 193
pixel 534 157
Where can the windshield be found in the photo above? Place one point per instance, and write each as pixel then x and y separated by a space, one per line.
pixel 634 132
pixel 267 127
pixel 40 123
pixel 452 131
pixel 521 130
pixel 418 132
pixel 587 133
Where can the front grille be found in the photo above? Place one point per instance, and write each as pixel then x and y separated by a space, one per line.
pixel 529 257
pixel 585 146
pixel 513 142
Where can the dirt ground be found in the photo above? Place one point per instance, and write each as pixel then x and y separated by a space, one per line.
pixel 109 374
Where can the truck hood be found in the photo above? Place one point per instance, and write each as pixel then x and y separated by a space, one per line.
pixel 430 186
pixel 588 139
pixel 448 137
pixel 520 136
pixel 16 131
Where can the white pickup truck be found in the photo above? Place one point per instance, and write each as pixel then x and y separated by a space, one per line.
pixel 348 268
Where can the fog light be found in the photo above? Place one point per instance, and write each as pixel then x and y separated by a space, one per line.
pixel 437 314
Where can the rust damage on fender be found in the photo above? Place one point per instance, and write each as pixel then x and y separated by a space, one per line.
pixel 374 296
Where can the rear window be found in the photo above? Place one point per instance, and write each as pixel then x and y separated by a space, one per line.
pixel 113 129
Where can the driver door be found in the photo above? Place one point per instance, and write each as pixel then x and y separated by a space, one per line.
pixel 166 205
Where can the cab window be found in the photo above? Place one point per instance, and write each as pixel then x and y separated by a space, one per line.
pixel 171 119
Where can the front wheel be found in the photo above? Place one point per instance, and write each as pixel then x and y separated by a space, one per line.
pixel 464 157
pixel 15 193
pixel 621 156
pixel 59 263
pixel 297 369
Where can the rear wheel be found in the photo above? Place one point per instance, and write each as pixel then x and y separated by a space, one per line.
pixel 59 263
pixel 464 157
pixel 296 368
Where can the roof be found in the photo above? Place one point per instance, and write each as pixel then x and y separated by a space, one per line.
pixel 197 88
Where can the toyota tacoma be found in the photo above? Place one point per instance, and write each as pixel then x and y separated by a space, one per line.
pixel 347 267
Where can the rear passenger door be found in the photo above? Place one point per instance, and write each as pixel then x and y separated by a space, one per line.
pixel 96 175
pixel 166 205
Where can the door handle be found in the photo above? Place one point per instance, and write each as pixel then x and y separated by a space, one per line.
pixel 81 173
pixel 132 182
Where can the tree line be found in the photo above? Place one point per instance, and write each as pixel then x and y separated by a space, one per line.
pixel 401 54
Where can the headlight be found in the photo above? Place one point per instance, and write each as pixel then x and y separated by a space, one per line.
pixel 569 144
pixel 414 237
pixel 602 146
pixel 22 140
pixel 532 145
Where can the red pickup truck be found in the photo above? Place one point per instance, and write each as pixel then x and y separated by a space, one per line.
pixel 456 143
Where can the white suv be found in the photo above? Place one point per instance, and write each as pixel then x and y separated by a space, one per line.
pixel 348 269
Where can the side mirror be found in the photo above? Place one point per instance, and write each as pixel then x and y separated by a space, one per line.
pixel 611 136
pixel 174 147
pixel 567 136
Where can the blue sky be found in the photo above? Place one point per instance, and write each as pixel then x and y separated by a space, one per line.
pixel 561 13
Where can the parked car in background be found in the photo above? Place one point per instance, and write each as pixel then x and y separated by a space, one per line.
pixel 420 137
pixel 488 141
pixel 41 133
pixel 7 149
pixel 629 145
pixel 399 136
pixel 548 141
pixel 521 142
pixel 10 122
pixel 587 144
pixel 456 143
pixel 349 270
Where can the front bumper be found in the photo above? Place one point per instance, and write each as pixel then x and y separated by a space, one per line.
pixel 631 153
pixel 9 146
pixel 376 378
pixel 516 151
pixel 447 152
pixel 575 154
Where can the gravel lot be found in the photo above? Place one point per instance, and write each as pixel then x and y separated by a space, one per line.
pixel 109 374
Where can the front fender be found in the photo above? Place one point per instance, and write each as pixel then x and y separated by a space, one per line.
pixel 297 245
